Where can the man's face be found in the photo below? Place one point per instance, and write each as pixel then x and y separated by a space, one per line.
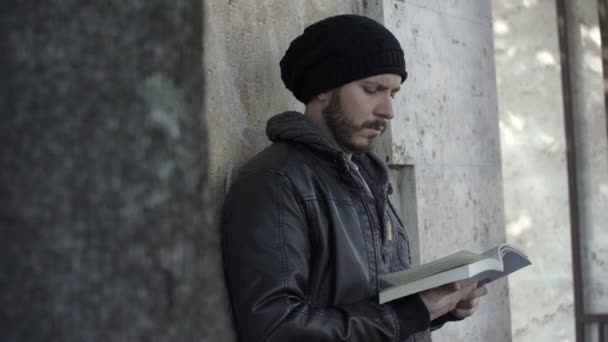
pixel 359 111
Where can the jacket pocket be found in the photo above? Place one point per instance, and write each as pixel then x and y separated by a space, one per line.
pixel 403 248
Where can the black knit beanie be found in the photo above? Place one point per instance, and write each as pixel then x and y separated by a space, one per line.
pixel 339 50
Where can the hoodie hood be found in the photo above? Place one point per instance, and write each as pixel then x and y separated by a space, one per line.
pixel 295 127
pixel 299 128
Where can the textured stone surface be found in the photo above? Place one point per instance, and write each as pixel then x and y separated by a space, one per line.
pixel 103 172
pixel 446 126
pixel 534 168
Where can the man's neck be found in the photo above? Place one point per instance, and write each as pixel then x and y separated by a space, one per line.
pixel 316 115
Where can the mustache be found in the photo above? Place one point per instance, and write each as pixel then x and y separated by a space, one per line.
pixel 375 124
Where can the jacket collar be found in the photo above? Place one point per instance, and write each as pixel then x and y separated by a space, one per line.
pixel 299 128
pixel 295 127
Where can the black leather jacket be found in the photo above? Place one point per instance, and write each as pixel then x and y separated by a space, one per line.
pixel 304 240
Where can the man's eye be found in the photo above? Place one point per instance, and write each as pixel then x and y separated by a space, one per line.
pixel 370 91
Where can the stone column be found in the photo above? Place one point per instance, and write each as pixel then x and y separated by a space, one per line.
pixel 103 163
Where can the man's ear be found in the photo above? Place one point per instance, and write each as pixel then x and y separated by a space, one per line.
pixel 324 97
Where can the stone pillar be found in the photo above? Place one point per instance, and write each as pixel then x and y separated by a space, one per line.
pixel 103 173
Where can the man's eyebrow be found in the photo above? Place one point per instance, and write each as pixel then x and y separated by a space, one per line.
pixel 381 86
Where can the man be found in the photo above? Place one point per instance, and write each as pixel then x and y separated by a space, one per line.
pixel 307 226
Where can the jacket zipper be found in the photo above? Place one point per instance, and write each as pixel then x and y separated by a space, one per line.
pixel 369 218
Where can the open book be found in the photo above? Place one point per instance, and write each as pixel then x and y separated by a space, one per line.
pixel 465 267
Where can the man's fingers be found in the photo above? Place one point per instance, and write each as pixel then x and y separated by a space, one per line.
pixel 463 313
pixel 470 300
pixel 461 300
pixel 475 293
pixel 448 302
pixel 452 299
pixel 468 304
pixel 441 300
pixel 467 291
pixel 479 292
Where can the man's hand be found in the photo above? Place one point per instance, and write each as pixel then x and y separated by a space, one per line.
pixel 454 298
pixel 468 305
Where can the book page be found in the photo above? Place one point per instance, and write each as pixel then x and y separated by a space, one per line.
pixel 495 253
pixel 485 269
pixel 513 261
pixel 433 267
pixel 464 267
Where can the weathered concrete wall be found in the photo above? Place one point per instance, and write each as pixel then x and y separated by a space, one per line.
pixel 446 133
pixel 534 167
pixel 102 170
pixel 592 152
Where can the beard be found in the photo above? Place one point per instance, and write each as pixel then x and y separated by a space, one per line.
pixel 343 128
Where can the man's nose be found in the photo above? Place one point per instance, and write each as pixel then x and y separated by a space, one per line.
pixel 385 108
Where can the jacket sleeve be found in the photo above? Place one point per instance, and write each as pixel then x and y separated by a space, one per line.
pixel 266 251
